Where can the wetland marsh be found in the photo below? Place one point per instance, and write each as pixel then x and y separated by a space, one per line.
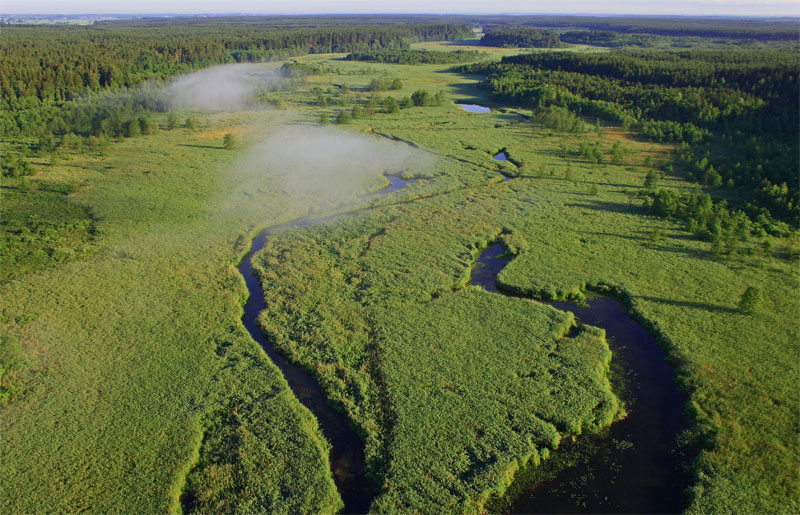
pixel 328 296
pixel 635 466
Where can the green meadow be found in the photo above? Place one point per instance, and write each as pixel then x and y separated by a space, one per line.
pixel 137 358
pixel 129 380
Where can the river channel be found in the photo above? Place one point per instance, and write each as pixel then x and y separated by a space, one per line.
pixel 633 469
pixel 635 466
pixel 347 448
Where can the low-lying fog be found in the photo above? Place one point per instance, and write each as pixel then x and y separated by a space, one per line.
pixel 320 165
pixel 220 88
pixel 328 164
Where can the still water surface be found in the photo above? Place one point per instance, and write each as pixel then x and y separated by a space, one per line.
pixel 474 108
pixel 635 468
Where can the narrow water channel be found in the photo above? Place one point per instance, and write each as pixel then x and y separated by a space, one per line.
pixel 635 467
pixel 501 156
pixel 347 448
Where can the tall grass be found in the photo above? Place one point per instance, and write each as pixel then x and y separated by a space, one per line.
pixel 139 377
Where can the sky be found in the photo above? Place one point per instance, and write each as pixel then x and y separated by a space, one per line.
pixel 679 7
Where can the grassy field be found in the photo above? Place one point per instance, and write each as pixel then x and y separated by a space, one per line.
pixel 131 379
pixel 137 358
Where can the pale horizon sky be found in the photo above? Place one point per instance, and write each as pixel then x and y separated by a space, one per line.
pixel 652 7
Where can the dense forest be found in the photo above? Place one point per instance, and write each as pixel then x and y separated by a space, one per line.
pixel 522 37
pixel 50 76
pixel 409 56
pixel 733 114
pixel 727 28
pixel 56 63
pixel 607 38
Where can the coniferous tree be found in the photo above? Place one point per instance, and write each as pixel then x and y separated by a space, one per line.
pixel 750 301
pixel 229 141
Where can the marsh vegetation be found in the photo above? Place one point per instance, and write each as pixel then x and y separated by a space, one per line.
pixel 123 200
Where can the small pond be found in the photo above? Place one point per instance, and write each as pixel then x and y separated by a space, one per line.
pixel 501 156
pixel 474 108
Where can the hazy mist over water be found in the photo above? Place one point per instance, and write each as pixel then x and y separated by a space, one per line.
pixel 330 164
pixel 315 167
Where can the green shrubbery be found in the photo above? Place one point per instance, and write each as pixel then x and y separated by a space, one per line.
pixel 422 98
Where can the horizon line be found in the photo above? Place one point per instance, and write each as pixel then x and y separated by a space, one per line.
pixel 244 14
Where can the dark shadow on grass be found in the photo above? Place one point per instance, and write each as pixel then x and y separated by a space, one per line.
pixel 200 146
pixel 688 304
pixel 623 236
pixel 697 253
pixel 601 205
pixel 472 93
pixel 615 184
pixel 661 244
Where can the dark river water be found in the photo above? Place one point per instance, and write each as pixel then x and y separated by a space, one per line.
pixel 634 467
pixel 501 156
pixel 347 448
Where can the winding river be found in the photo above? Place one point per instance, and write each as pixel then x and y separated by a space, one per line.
pixel 347 448
pixel 634 467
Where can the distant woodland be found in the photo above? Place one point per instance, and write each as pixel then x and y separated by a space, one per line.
pixel 742 101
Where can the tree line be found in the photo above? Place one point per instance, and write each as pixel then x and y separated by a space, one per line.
pixel 58 80
pixel 54 63
pixel 675 26
pixel 409 56
pixel 733 113
pixel 523 37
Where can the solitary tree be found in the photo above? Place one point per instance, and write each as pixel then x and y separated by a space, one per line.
pixel 145 126
pixel 229 141
pixel 344 117
pixel 324 119
pixel 172 121
pixel 131 128
pixel 617 154
pixel 421 98
pixel 191 123
pixel 651 180
pixel 390 105
pixel 750 300
pixel 712 178
pixel 568 175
